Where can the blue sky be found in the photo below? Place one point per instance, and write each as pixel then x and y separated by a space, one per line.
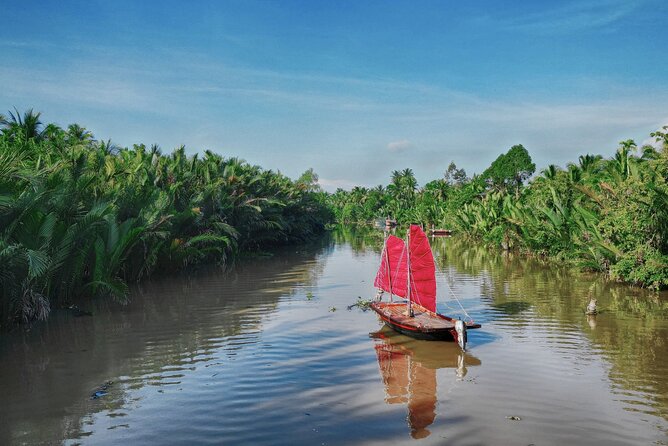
pixel 353 89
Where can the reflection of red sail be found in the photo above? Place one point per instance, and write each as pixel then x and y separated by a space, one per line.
pixel 407 381
pixel 421 399
pixel 392 274
pixel 394 370
pixel 408 369
pixel 423 270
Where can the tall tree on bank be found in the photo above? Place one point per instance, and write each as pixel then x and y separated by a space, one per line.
pixel 510 170
pixel 27 125
pixel 454 176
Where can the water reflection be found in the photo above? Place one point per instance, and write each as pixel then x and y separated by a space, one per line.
pixel 172 328
pixel 408 370
pixel 520 292
pixel 362 240
pixel 255 354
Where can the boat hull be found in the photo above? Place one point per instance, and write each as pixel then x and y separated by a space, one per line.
pixel 423 325
pixel 440 232
pixel 440 335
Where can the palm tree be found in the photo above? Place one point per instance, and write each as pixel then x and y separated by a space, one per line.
pixel 396 178
pixel 52 132
pixel 621 164
pixel 82 215
pixel 588 162
pixel 574 173
pixel 28 126
pixel 79 134
pixel 550 172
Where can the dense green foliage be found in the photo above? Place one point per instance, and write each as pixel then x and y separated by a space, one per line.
pixel 80 217
pixel 608 215
pixel 510 170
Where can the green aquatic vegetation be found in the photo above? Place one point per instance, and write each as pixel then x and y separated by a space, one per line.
pixel 362 304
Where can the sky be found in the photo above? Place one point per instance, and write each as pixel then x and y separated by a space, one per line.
pixel 352 89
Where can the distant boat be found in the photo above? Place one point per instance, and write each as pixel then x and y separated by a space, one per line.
pixel 440 232
pixel 407 270
pixel 379 223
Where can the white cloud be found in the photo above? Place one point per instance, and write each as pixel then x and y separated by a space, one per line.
pixel 90 87
pixel 581 15
pixel 399 146
pixel 336 124
pixel 330 185
pixel 651 141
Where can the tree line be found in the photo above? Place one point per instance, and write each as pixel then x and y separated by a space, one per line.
pixel 602 214
pixel 81 217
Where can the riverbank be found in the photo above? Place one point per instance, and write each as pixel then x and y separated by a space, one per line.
pixel 601 214
pixel 81 217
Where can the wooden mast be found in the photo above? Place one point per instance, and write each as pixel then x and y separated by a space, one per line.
pixel 409 306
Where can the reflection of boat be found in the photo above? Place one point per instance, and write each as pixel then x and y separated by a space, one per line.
pixel 408 369
pixel 407 270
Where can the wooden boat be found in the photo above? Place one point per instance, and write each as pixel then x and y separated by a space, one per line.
pixel 379 223
pixel 407 270
pixel 440 232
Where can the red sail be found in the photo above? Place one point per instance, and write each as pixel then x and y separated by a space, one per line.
pixel 423 270
pixel 392 274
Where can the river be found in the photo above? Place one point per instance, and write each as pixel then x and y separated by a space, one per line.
pixel 269 353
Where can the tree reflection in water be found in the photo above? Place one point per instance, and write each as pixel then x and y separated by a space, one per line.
pixel 408 369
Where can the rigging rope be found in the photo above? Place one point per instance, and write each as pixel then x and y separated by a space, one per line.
pixel 470 319
pixel 413 291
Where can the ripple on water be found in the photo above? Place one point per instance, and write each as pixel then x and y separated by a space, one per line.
pixel 246 358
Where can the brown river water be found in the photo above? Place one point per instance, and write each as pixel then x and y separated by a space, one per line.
pixel 269 354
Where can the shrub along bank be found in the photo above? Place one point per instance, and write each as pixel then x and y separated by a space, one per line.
pixel 603 214
pixel 84 217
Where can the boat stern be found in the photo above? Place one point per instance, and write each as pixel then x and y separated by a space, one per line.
pixel 460 334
